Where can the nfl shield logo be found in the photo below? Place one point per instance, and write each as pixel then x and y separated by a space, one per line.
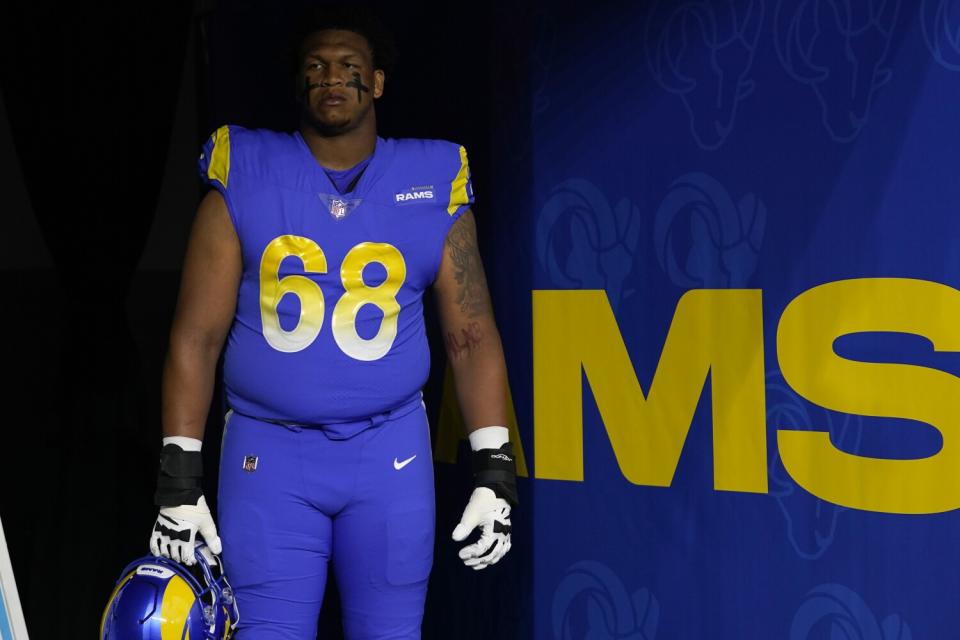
pixel 250 464
pixel 338 208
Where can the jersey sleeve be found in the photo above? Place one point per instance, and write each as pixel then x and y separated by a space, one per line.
pixel 460 191
pixel 214 164
pixel 454 188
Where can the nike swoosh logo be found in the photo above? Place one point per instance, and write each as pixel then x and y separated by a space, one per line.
pixel 401 465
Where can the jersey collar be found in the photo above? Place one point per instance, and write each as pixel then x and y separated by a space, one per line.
pixel 379 160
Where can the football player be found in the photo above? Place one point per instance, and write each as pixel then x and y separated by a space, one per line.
pixel 309 259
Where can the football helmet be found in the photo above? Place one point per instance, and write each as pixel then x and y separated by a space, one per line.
pixel 157 598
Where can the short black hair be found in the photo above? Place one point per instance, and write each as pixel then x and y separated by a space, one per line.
pixel 356 18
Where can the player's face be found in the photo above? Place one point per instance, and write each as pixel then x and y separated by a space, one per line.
pixel 337 81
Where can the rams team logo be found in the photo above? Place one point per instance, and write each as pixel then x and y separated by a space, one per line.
pixel 841 50
pixel 838 611
pixel 414 195
pixel 684 34
pixel 591 602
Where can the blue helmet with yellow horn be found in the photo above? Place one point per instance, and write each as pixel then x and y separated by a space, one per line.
pixel 159 599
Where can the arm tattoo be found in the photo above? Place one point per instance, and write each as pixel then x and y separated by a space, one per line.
pixel 464 344
pixel 471 293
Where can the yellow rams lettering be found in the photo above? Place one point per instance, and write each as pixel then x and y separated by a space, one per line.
pixel 808 328
pixel 720 333
pixel 715 331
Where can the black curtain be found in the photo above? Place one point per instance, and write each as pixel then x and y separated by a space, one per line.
pixel 89 90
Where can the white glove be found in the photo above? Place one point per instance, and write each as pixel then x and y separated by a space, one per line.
pixel 175 532
pixel 492 514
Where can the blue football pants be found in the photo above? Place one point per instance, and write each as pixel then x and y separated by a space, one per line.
pixel 291 500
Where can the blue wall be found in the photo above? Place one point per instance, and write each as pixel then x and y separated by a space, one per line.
pixel 651 149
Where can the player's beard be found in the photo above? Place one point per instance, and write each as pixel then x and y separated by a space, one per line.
pixel 332 128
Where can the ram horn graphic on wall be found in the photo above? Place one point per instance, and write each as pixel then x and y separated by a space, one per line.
pixel 584 243
pixel 940 20
pixel 838 48
pixel 591 603
pixel 703 53
pixel 703 238
pixel 811 523
pixel 835 612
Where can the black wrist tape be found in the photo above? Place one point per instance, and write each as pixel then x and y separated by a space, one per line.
pixel 179 479
pixel 496 469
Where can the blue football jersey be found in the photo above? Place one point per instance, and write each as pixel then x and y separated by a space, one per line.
pixel 329 322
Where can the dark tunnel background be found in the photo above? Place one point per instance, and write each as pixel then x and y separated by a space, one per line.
pixel 104 108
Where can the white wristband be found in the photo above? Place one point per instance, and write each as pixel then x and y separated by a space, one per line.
pixel 184 442
pixel 489 438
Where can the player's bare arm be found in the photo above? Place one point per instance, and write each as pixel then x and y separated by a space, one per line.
pixel 480 377
pixel 205 309
pixel 470 332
